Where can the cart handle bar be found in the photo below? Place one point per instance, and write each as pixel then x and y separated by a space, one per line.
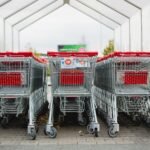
pixel 23 54
pixel 69 54
pixel 124 54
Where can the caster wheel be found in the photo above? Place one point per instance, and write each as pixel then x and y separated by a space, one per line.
pixel 96 133
pixel 84 122
pixel 52 133
pixel 32 135
pixel 4 123
pixel 111 133
pixel 90 130
pixel 45 133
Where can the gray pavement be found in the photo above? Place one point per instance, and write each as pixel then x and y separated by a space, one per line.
pixel 68 138
pixel 131 137
pixel 79 147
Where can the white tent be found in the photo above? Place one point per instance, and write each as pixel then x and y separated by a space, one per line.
pixel 128 19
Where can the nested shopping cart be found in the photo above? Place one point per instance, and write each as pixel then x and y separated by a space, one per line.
pixel 122 85
pixel 72 74
pixel 22 87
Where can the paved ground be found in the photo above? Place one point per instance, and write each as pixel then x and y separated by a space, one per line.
pixel 129 138
pixel 68 138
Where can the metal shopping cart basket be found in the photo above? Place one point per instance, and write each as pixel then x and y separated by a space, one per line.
pixel 22 87
pixel 122 85
pixel 72 74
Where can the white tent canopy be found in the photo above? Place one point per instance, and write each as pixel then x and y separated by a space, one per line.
pixel 128 19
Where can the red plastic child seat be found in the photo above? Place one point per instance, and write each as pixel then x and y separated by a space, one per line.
pixel 132 77
pixel 10 79
pixel 71 77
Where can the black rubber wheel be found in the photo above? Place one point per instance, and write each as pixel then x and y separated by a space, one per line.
pixel 84 122
pixel 32 135
pixel 90 130
pixel 52 133
pixel 4 123
pixel 96 133
pixel 111 133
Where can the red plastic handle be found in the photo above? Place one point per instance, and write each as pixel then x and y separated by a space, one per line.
pixel 131 54
pixel 22 54
pixel 76 54
pixel 125 54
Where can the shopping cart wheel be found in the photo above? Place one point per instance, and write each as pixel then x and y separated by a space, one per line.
pixel 4 122
pixel 83 122
pixel 90 130
pixel 32 135
pixel 111 132
pixel 96 132
pixel 52 133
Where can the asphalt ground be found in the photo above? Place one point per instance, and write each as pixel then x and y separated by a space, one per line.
pixel 129 137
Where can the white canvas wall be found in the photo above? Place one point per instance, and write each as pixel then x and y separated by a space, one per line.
pixel 146 28
pixel 1 34
pixel 125 44
pixel 135 24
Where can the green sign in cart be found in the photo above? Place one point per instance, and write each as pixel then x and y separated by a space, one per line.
pixel 71 48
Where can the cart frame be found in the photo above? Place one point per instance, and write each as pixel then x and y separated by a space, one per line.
pixel 75 83
pixel 122 85
pixel 23 88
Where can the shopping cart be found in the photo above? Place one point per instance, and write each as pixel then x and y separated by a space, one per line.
pixel 71 80
pixel 22 87
pixel 122 85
